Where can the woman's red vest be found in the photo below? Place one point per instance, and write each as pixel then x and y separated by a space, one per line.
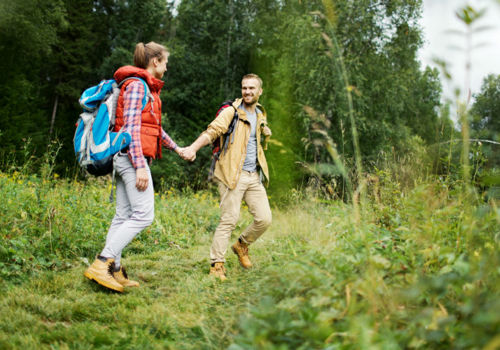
pixel 151 114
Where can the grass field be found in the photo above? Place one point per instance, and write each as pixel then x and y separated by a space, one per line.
pixel 416 270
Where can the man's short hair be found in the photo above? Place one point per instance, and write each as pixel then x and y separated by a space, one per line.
pixel 252 76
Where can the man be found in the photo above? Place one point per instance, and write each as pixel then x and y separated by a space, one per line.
pixel 240 171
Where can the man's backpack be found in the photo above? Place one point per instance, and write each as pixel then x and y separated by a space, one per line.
pixel 95 142
pixel 221 143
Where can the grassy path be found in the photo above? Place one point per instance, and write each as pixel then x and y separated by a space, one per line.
pixel 177 306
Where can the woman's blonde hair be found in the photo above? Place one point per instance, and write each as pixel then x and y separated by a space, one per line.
pixel 146 52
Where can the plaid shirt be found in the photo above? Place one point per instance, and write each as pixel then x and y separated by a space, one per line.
pixel 132 106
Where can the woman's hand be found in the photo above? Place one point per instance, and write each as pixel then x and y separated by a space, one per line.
pixel 141 179
pixel 179 150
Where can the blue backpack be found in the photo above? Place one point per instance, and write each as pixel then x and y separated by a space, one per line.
pixel 95 142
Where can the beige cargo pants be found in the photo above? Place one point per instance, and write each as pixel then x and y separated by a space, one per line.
pixel 251 190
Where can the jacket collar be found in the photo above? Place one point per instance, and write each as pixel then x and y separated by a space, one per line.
pixel 239 103
pixel 131 71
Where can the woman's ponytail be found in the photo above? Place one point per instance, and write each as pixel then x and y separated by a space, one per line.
pixel 146 52
pixel 140 56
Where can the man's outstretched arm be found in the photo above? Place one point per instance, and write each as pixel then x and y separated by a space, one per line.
pixel 189 153
pixel 214 130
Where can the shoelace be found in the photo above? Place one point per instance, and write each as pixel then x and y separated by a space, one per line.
pixel 111 268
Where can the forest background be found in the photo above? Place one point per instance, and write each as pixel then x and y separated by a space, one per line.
pixel 323 78
pixel 386 225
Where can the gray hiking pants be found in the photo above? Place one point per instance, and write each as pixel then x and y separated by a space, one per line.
pixel 134 209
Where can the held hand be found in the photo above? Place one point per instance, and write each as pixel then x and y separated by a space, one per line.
pixel 181 151
pixel 189 154
pixel 141 179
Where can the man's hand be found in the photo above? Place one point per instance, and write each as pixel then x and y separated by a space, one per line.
pixel 188 153
pixel 141 179
pixel 184 153
pixel 266 131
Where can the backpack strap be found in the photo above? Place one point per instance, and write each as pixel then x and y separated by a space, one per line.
pixel 230 130
pixel 228 136
pixel 147 95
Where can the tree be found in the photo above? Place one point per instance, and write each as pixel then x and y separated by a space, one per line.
pixel 485 114
pixel 130 22
pixel 28 34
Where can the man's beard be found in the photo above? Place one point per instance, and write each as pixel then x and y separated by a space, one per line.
pixel 253 100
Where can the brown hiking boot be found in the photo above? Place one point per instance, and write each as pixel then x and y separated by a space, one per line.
pixel 241 250
pixel 218 270
pixel 102 273
pixel 122 278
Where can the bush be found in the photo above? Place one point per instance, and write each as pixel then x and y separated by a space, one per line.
pixel 420 271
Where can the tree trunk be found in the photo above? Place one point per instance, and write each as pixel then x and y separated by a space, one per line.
pixel 54 111
pixel 229 76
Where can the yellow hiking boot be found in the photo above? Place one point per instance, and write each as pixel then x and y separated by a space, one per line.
pixel 218 270
pixel 102 273
pixel 241 250
pixel 122 278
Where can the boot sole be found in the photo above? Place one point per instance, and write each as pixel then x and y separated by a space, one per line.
pixel 218 277
pixel 245 267
pixel 130 285
pixel 104 284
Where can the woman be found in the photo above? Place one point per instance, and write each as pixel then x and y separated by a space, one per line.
pixel 134 186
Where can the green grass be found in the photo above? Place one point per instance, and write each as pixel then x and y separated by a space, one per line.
pixel 419 270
